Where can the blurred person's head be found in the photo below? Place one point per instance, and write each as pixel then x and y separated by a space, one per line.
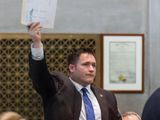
pixel 130 116
pixel 10 116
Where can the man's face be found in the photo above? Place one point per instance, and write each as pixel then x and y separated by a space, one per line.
pixel 84 71
pixel 130 117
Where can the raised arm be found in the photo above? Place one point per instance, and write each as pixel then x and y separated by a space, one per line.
pixel 42 80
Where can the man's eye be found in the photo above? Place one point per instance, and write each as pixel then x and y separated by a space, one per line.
pixel 89 64
pixel 85 64
pixel 94 65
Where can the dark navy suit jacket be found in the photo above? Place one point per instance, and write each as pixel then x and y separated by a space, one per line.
pixel 151 109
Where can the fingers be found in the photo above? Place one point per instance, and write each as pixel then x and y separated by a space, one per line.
pixel 34 30
pixel 35 26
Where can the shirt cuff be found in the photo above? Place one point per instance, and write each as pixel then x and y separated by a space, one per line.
pixel 37 53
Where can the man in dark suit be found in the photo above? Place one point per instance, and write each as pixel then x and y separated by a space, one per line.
pixel 151 109
pixel 73 97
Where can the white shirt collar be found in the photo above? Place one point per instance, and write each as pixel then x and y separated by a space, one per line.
pixel 79 86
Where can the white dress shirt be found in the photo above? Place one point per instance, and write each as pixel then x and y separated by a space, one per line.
pixel 93 99
pixel 38 54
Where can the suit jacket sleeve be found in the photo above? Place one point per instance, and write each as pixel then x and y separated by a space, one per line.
pixel 113 112
pixel 116 111
pixel 42 80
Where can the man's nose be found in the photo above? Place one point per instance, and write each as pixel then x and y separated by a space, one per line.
pixel 91 68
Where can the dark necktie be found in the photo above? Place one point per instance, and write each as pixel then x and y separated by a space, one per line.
pixel 88 105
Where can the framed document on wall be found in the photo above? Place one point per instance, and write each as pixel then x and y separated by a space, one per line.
pixel 123 62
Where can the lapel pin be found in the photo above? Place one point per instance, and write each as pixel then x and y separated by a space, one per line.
pixel 101 95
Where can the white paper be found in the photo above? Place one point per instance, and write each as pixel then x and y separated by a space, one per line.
pixel 43 11
pixel 122 62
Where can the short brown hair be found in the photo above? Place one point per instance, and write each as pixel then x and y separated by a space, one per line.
pixel 74 56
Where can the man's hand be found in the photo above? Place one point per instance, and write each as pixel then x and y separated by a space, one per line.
pixel 34 30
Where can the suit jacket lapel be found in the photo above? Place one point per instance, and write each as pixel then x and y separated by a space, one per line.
pixel 76 101
pixel 77 104
pixel 102 102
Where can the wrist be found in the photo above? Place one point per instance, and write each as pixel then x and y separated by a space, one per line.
pixel 37 44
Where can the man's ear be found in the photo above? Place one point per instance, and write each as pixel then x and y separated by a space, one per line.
pixel 72 67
